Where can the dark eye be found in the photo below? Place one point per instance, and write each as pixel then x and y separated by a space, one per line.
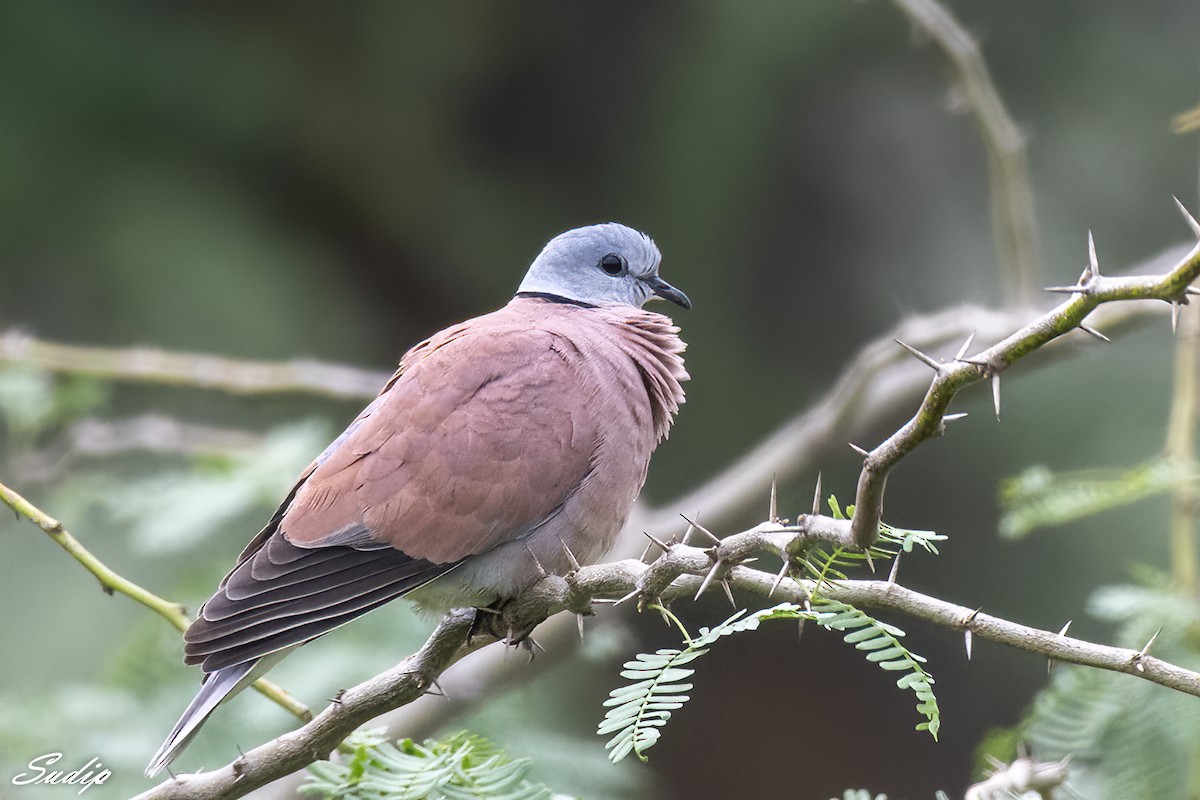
pixel 613 264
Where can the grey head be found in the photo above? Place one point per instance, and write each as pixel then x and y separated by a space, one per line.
pixel 602 265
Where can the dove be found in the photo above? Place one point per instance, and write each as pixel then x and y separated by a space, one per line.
pixel 502 448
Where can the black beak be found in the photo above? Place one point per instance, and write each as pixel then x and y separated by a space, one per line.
pixel 668 292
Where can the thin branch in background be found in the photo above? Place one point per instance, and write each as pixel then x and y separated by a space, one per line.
pixel 146 433
pixel 111 582
pixel 675 574
pixel 232 375
pixel 1181 451
pixel 1013 221
pixel 1092 290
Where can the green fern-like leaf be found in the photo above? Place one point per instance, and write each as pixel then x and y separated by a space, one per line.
pixel 881 642
pixel 461 767
pixel 1039 498
pixel 638 711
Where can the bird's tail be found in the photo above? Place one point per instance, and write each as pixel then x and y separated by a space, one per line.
pixel 218 687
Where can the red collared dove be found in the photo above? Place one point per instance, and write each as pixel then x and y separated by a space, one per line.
pixel 499 444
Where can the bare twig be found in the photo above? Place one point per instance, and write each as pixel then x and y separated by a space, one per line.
pixel 151 433
pixel 1014 224
pixel 1181 451
pixel 676 573
pixel 233 375
pixel 111 582
pixel 1092 290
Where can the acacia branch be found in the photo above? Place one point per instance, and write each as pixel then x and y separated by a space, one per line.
pixel 1090 291
pixel 200 370
pixel 111 582
pixel 680 571
pixel 1014 225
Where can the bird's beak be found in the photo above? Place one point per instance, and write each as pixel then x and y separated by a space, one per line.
pixel 668 292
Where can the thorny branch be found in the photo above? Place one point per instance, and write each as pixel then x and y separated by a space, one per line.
pixel 874 385
pixel 1090 291
pixel 111 582
pixel 1013 222
pixel 680 571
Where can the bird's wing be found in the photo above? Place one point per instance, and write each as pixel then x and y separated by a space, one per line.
pixel 482 436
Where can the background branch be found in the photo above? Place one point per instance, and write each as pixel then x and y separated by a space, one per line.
pixel 200 370
pixel 1014 225
pixel 1181 450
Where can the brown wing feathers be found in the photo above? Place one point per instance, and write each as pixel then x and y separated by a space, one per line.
pixel 286 595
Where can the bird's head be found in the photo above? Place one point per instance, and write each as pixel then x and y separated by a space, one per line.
pixel 601 265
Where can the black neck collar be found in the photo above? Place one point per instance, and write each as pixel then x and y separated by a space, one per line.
pixel 555 298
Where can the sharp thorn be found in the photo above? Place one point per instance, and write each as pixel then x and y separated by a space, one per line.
pixel 1050 662
pixel 773 512
pixel 1063 631
pixel 783 571
pixel 962 351
pixel 1192 290
pixel 579 622
pixel 969 618
pixel 646 552
pixel 729 594
pixel 870 561
pixel 996 393
pixel 654 539
pixel 800 629
pixel 895 569
pixel 629 596
pixel 1188 218
pixel 967 642
pixel 708 578
pixel 1174 316
pixel 953 417
pixel 541 571
pixel 1093 262
pixel 919 356
pixel 1089 329
pixel 690 530
pixel 702 529
pixel 434 684
pixel 1077 289
pixel 1146 648
pixel 571 559
pixel 816 507
pixel 858 449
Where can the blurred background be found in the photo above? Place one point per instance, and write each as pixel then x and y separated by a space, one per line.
pixel 336 182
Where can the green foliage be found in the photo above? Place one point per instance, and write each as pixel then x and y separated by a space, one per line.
pixel 638 711
pixel 1039 498
pixel 1128 738
pixel 460 767
pixel 33 401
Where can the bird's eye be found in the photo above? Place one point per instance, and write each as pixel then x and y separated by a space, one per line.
pixel 613 264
